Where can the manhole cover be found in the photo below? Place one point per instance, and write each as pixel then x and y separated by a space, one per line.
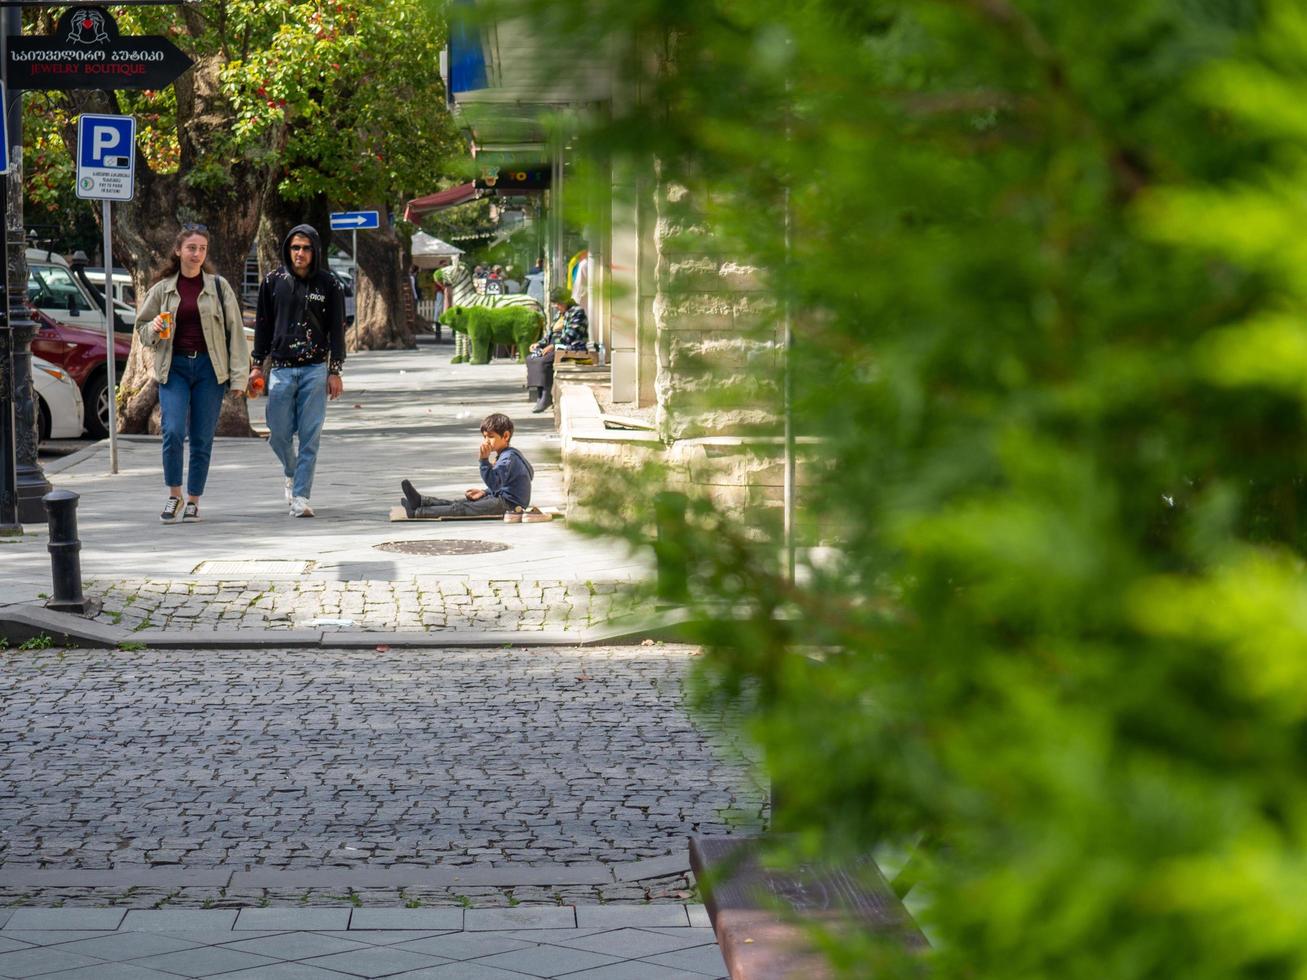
pixel 269 568
pixel 452 546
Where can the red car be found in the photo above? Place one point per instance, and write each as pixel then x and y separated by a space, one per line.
pixel 80 352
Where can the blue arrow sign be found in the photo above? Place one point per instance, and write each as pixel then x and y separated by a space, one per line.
pixel 354 220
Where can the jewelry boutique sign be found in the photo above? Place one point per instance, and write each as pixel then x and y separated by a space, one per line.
pixel 86 52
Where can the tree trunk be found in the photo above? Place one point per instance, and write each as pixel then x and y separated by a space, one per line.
pixel 379 321
pixel 145 227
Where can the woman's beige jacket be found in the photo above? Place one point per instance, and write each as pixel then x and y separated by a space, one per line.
pixel 224 332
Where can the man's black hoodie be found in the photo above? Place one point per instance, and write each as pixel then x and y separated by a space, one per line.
pixel 301 320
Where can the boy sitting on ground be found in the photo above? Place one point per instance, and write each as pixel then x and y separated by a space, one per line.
pixel 508 481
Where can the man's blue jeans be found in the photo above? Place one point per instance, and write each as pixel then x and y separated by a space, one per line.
pixel 189 404
pixel 297 405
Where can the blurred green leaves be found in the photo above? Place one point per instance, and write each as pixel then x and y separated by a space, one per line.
pixel 1049 286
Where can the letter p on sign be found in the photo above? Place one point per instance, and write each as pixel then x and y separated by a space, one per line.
pixel 103 138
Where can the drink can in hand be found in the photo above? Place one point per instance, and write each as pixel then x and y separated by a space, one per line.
pixel 166 330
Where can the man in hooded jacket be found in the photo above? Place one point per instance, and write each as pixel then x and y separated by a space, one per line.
pixel 299 323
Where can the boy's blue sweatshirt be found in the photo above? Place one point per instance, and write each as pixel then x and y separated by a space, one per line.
pixel 509 478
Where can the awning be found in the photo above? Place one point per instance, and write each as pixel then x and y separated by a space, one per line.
pixel 428 252
pixel 419 206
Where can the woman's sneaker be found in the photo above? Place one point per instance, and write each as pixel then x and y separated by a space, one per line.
pixel 172 511
pixel 191 513
pixel 299 507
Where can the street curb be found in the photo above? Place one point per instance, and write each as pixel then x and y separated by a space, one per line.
pixel 20 623
pixel 362 876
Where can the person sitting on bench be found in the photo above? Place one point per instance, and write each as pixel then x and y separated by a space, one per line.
pixel 570 331
pixel 508 481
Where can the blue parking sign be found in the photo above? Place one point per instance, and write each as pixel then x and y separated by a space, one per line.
pixel 106 157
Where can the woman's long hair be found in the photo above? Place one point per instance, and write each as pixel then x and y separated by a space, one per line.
pixel 172 265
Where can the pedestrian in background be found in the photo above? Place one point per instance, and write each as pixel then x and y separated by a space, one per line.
pixel 569 331
pixel 300 324
pixel 192 320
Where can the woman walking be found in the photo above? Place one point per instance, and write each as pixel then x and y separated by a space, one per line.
pixel 192 320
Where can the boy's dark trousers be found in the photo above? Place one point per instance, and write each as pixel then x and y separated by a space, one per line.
pixel 439 507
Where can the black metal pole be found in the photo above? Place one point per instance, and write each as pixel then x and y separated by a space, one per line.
pixel 30 478
pixel 8 450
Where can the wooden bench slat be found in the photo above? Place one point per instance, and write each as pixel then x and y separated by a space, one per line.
pixel 758 942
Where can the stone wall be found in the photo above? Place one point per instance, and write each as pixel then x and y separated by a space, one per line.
pixel 716 330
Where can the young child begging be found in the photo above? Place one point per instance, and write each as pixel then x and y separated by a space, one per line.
pixel 508 481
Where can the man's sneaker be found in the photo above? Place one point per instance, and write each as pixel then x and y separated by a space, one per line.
pixel 290 489
pixel 172 511
pixel 536 516
pixel 513 516
pixel 299 507
pixel 191 515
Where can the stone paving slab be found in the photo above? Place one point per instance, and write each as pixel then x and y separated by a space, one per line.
pixel 65 920
pixel 281 918
pixel 407 919
pixel 169 920
pixel 613 916
pixel 557 950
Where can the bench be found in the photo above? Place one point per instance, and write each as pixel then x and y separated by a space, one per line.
pixel 753 909
pixel 578 356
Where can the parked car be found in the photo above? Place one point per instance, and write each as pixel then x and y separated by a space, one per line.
pixel 71 336
pixel 58 402
pixel 124 294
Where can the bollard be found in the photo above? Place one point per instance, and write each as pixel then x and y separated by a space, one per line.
pixel 65 558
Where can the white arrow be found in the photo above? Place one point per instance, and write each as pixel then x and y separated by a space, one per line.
pixel 357 219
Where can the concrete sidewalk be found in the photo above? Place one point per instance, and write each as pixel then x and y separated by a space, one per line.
pixel 247 565
pixel 607 942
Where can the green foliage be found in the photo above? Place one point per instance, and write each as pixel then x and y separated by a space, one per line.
pixel 39 642
pixel 1047 280
pixel 340 95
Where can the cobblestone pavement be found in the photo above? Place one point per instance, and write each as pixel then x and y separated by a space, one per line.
pixel 419 604
pixel 356 777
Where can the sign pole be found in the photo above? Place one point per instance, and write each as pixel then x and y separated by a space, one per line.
pixel 354 262
pixel 111 362
pixel 8 434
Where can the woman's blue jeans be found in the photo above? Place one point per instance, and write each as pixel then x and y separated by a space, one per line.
pixel 189 404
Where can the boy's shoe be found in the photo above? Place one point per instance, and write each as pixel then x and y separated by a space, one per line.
pixel 299 507
pixel 411 496
pixel 513 516
pixel 172 511
pixel 191 513
pixel 536 516
pixel 290 489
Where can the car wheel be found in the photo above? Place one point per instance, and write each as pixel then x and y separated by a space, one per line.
pixel 95 399
pixel 43 422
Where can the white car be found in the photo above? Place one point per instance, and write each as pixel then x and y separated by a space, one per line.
pixel 58 402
